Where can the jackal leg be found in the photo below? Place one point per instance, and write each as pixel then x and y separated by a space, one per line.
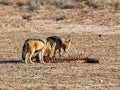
pixel 48 53
pixel 42 54
pixel 60 52
pixel 29 56
pixel 41 57
pixel 26 58
pixel 55 52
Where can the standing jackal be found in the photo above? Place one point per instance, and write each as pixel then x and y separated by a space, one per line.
pixel 61 43
pixel 33 45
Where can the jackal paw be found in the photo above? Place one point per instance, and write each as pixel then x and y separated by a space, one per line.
pixel 43 62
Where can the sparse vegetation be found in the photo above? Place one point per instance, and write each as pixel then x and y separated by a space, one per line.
pixel 33 5
pixel 104 4
pixel 5 2
pixel 19 4
pixel 95 32
pixel 60 18
pixel 64 4
pixel 27 17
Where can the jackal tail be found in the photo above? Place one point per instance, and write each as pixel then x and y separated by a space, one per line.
pixel 24 50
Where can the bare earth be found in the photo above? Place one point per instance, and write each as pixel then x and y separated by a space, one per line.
pixel 89 39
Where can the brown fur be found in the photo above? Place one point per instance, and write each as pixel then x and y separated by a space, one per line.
pixel 61 44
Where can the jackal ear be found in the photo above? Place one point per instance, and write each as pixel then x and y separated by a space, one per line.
pixel 69 40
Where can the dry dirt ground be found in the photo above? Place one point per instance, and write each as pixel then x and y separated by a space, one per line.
pixel 95 40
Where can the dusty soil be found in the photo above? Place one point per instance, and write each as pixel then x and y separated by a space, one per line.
pixel 90 37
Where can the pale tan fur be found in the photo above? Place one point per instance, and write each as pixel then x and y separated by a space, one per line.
pixel 39 46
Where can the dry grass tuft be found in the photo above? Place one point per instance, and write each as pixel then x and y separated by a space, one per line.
pixel 104 4
pixel 27 17
pixel 20 4
pixel 32 5
pixel 6 2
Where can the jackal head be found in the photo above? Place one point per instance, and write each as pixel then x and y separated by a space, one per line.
pixel 66 45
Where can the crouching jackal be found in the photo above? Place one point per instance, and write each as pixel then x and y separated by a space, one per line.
pixel 32 45
pixel 61 43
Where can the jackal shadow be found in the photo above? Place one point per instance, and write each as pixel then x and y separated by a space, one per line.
pixel 11 61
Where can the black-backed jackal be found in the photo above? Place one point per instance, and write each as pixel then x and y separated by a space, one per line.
pixel 32 45
pixel 61 43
